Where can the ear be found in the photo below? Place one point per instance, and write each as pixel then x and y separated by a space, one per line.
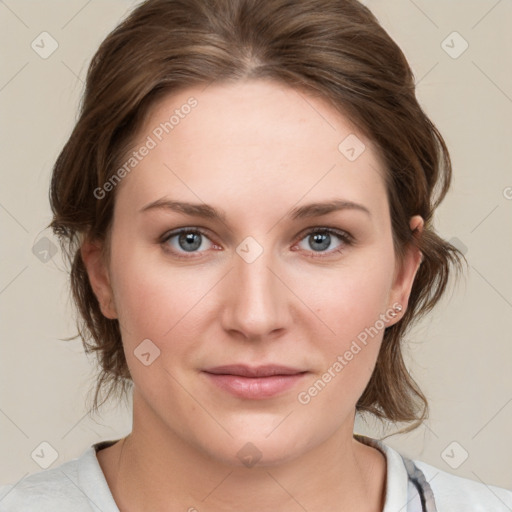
pixel 96 267
pixel 404 276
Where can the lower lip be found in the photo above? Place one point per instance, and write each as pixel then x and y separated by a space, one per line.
pixel 255 388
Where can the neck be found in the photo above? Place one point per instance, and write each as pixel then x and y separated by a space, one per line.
pixel 157 470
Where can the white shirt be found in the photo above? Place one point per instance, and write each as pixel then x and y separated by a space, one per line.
pixel 79 485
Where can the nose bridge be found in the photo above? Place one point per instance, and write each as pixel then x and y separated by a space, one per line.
pixel 257 301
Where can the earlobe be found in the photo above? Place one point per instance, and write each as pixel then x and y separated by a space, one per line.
pixel 99 278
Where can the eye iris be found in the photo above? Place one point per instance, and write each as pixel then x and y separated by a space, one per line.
pixel 189 238
pixel 322 237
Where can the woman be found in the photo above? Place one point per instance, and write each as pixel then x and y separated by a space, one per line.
pixel 218 144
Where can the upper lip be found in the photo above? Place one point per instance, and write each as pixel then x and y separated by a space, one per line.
pixel 254 371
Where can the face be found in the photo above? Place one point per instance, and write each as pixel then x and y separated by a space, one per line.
pixel 267 280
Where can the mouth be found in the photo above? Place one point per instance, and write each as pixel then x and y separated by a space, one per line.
pixel 255 383
pixel 242 370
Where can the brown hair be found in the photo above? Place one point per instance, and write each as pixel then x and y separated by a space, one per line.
pixel 335 49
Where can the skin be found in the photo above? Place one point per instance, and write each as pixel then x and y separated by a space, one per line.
pixel 254 149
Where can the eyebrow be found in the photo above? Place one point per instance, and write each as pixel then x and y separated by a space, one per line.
pixel 209 212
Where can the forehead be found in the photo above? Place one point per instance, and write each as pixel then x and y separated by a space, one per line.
pixel 253 140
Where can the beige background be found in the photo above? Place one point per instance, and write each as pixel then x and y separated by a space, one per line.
pixel 461 356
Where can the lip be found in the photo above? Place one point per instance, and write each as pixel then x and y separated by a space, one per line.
pixel 255 383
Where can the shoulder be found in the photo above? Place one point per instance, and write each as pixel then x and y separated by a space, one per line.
pixel 45 490
pixel 76 485
pixel 453 493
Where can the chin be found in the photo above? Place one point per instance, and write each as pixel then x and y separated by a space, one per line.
pixel 254 447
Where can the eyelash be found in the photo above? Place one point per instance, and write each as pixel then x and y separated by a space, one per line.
pixel 345 237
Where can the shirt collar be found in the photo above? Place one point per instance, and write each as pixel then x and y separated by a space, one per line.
pixel 397 479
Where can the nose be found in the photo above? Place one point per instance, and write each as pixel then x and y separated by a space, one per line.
pixel 257 298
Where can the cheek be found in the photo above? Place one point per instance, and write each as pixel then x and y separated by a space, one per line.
pixel 349 355
pixel 350 304
pixel 157 304
pixel 155 300
pixel 350 300
pixel 146 300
